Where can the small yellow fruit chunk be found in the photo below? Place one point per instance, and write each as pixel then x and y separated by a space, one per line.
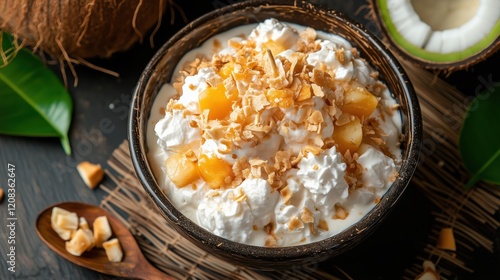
pixel 446 240
pixel 348 136
pixel 215 171
pixel 180 170
pixel 274 47
pixel 359 102
pixel 226 70
pixel 282 98
pixel 305 92
pixel 215 100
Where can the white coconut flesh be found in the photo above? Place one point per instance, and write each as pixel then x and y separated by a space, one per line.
pixel 442 30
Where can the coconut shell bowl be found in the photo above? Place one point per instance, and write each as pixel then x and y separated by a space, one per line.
pixel 160 70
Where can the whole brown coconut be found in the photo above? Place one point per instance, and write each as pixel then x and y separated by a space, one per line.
pixel 80 28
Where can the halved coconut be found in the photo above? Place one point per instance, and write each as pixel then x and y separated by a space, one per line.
pixel 441 34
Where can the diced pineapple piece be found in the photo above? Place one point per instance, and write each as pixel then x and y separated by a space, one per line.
pixel 348 136
pixel 446 240
pixel 274 47
pixel 180 170
pixel 282 98
pixel 226 70
pixel 215 100
pixel 359 102
pixel 305 92
pixel 215 171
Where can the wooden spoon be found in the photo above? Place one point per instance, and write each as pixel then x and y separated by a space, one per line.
pixel 133 264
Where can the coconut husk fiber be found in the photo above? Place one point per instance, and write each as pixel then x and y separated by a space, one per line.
pixel 81 29
pixel 72 32
pixel 472 214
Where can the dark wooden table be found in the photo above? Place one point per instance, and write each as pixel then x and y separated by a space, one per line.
pixel 45 175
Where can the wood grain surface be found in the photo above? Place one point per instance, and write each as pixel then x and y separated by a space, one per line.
pixel 45 175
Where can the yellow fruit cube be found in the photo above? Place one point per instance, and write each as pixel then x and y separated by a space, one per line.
pixel 215 100
pixel 282 98
pixel 226 70
pixel 180 170
pixel 215 171
pixel 274 47
pixel 359 102
pixel 348 136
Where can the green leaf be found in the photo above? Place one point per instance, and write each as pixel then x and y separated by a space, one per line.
pixel 479 141
pixel 33 100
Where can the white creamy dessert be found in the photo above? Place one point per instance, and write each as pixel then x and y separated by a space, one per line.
pixel 280 137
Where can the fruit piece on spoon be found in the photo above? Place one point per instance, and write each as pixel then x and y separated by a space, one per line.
pixel 133 265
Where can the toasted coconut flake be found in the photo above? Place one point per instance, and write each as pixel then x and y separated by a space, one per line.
pixel 305 92
pixel 256 167
pixel 271 241
pixel 323 225
pixel 345 118
pixel 231 87
pixel 312 229
pixel 312 149
pixel 272 63
pixel 322 79
pixel 213 193
pixel 309 34
pixel 340 212
pixel 315 118
pixel 317 90
pixel 259 102
pixel 340 55
pixel 295 223
pixel 287 194
pixel 214 80
pixel 282 161
pixel 393 176
pixel 269 228
pixel 307 216
pixel 332 110
pixel 239 196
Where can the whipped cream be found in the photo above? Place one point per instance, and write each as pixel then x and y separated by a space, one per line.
pixel 290 184
pixel 323 177
pixel 222 215
pixel 175 131
pixel 275 31
pixel 377 168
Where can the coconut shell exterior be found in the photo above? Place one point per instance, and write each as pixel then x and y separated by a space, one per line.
pixel 80 28
pixel 446 67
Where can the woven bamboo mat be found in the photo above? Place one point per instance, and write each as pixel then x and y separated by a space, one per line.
pixel 440 175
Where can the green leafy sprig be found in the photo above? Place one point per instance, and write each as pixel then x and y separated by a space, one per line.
pixel 33 101
pixel 479 140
